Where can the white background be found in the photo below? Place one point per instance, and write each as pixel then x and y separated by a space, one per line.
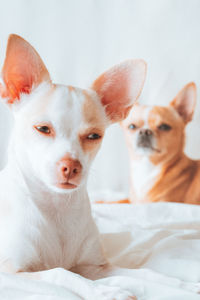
pixel 79 39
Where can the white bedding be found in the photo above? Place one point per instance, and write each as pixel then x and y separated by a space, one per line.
pixel 164 237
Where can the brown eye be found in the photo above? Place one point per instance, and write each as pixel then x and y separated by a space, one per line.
pixel 132 126
pixel 43 129
pixel 164 127
pixel 93 136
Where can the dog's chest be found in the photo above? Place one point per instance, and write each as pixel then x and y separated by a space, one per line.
pixel 56 242
pixel 37 243
pixel 143 177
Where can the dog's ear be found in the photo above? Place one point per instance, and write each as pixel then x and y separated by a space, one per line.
pixel 120 87
pixel 184 103
pixel 23 69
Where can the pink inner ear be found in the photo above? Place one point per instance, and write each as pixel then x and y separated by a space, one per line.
pixel 113 91
pixel 22 69
pixel 120 87
pixel 184 103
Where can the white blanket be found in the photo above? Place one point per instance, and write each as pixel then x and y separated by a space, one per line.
pixel 164 237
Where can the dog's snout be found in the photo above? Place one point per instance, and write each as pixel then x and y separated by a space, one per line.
pixel 146 132
pixel 145 138
pixel 69 170
pixel 70 167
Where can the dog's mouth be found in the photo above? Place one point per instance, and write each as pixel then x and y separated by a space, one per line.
pixel 146 144
pixel 150 148
pixel 66 185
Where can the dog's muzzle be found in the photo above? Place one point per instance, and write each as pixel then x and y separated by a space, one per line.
pixel 145 138
pixel 69 173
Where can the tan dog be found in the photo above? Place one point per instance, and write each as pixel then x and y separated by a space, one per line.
pixel 155 136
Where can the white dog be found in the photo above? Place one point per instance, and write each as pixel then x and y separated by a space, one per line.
pixel 45 217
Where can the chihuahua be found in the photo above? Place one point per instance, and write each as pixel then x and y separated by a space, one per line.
pixel 46 220
pixel 155 136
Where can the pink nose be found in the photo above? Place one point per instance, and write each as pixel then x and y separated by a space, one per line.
pixel 68 170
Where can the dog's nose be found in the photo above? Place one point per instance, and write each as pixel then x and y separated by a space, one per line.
pixel 69 168
pixel 145 132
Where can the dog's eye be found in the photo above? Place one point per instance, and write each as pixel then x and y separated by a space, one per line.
pixel 93 136
pixel 164 127
pixel 132 126
pixel 43 129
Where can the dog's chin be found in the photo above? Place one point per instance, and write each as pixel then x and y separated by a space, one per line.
pixel 63 188
pixel 66 186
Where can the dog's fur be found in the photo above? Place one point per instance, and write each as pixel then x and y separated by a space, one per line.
pixel 45 215
pixel 159 169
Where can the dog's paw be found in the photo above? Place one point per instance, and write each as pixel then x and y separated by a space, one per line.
pixel 113 293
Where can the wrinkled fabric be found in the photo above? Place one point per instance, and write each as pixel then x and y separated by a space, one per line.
pixel 164 237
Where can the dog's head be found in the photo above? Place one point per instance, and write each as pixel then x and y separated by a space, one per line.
pixel 159 132
pixel 59 129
